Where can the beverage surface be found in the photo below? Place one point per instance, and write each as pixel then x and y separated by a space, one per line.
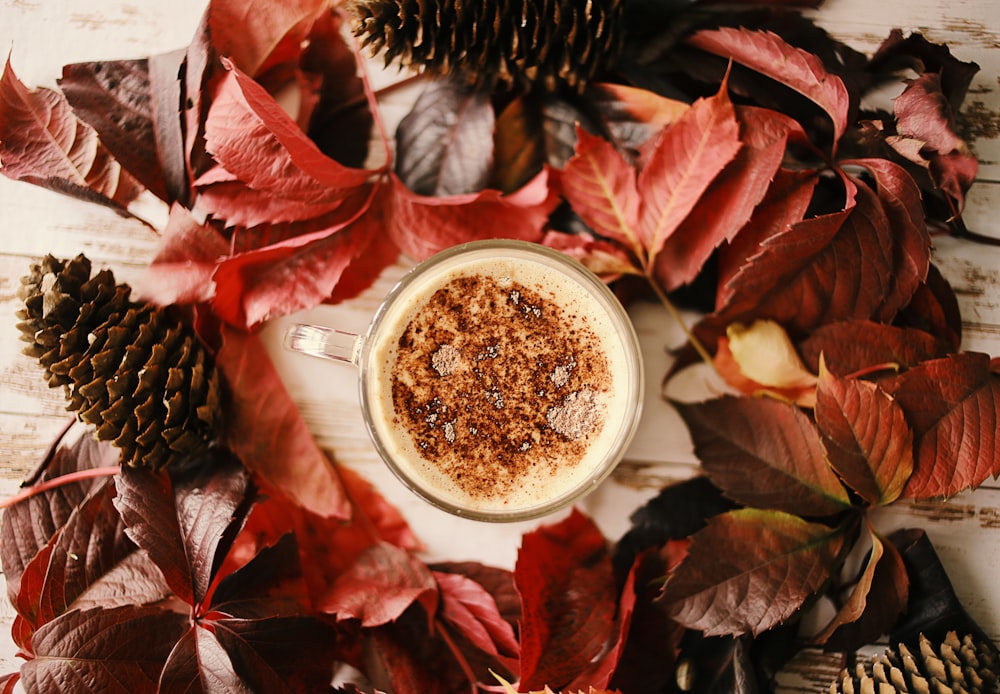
pixel 499 384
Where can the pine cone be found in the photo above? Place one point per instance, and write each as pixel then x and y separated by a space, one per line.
pixel 969 666
pixel 526 43
pixel 137 374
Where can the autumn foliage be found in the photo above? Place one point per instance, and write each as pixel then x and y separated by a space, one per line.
pixel 731 156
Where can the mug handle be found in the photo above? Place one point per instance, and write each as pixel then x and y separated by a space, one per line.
pixel 328 343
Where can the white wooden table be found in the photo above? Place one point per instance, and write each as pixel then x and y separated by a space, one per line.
pixel 45 35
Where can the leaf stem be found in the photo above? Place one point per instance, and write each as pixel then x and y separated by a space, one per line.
pixel 373 103
pixel 61 481
pixel 676 315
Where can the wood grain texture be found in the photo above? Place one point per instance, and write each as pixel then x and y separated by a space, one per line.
pixel 45 35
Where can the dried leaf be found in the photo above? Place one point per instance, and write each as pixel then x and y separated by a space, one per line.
pixel 750 570
pixel 764 453
pixel 766 355
pixel 854 346
pixel 865 435
pixel 468 608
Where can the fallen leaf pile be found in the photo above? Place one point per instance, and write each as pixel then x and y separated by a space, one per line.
pixel 738 158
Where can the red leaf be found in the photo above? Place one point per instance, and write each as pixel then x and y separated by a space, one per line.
pixel 877 599
pixel 103 650
pixel 256 39
pixel 728 202
pixel 607 260
pixel 797 68
pixel 422 225
pixel 568 597
pixel 749 570
pixel 952 405
pixel 268 433
pixel 43 142
pixel 181 272
pixel 381 584
pixel 601 187
pixel 865 435
pixel 469 608
pixel 765 453
pixel 856 345
pixel 252 137
pixel 683 161
pixel 899 195
pixel 198 663
pixel 302 271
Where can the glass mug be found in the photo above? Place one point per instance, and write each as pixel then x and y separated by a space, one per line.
pixel 500 380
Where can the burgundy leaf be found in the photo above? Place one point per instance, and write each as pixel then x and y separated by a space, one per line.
pixel 683 161
pixel 749 570
pixel 468 608
pixel 934 309
pixel 766 453
pixel 119 650
pixel 166 97
pixel 877 599
pixel 267 432
pixel 568 597
pixel 381 584
pixel 43 142
pixel 28 526
pixel 444 145
pixel 797 68
pixel 865 435
pixel 252 137
pixel 832 267
pixel 182 527
pixel 269 585
pixel 856 345
pixel 199 664
pixel 601 187
pixel 952 404
pixel 423 225
pixel 729 201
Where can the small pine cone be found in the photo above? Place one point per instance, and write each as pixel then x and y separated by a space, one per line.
pixel 955 666
pixel 490 43
pixel 138 375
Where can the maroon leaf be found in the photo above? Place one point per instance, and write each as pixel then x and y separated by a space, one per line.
pixel 423 225
pixel 877 599
pixel 853 346
pixel 252 137
pixel 568 597
pixel 444 145
pixel 728 202
pixel 28 526
pixel 381 584
pixel 166 96
pixel 934 309
pixel 199 663
pixel 183 527
pixel 832 267
pixel 765 453
pixel 749 570
pixel 43 142
pixel 103 650
pixel 113 97
pixel 797 68
pixel 952 405
pixel 267 432
pixel 865 435
pixel 683 161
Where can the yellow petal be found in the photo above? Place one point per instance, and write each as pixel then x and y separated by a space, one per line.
pixel 766 355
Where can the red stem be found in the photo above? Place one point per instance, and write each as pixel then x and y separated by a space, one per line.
pixel 61 481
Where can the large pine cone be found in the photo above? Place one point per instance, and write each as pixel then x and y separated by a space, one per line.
pixel 137 374
pixel 967 666
pixel 490 43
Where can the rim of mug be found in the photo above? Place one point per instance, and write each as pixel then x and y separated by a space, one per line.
pixel 624 329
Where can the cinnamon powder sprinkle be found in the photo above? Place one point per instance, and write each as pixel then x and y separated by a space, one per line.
pixel 485 353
